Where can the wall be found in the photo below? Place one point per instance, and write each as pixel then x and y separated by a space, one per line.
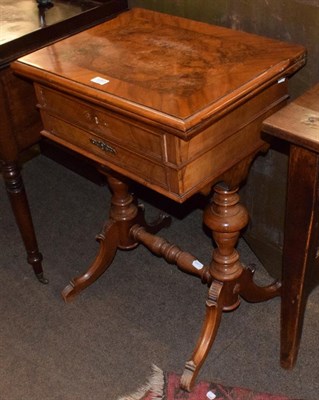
pixel 290 20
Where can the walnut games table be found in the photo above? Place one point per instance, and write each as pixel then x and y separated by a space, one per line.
pixel 177 106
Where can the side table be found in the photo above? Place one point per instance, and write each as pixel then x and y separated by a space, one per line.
pixel 25 28
pixel 177 106
pixel 298 124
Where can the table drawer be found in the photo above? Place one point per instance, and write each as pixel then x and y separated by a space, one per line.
pixel 105 152
pixel 103 123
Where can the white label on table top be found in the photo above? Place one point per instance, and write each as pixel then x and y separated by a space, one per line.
pixel 210 395
pixel 99 80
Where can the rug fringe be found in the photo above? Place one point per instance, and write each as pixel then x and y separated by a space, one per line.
pixel 155 385
pixel 157 382
pixel 138 394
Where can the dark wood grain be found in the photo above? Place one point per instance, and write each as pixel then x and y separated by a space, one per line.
pixel 298 124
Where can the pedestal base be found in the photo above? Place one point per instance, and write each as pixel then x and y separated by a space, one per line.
pixel 228 280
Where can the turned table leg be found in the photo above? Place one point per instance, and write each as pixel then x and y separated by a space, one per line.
pixel 124 213
pixel 226 218
pixel 19 203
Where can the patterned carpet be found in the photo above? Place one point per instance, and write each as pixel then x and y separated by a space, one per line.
pixel 165 386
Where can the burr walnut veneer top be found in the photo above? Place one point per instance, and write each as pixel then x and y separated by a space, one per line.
pixel 172 71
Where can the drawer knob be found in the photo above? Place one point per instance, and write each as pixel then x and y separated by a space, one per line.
pixel 103 146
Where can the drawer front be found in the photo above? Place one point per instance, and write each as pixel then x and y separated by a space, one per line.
pixel 98 121
pixel 105 152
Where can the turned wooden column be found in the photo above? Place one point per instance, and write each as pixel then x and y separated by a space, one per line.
pixel 226 217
